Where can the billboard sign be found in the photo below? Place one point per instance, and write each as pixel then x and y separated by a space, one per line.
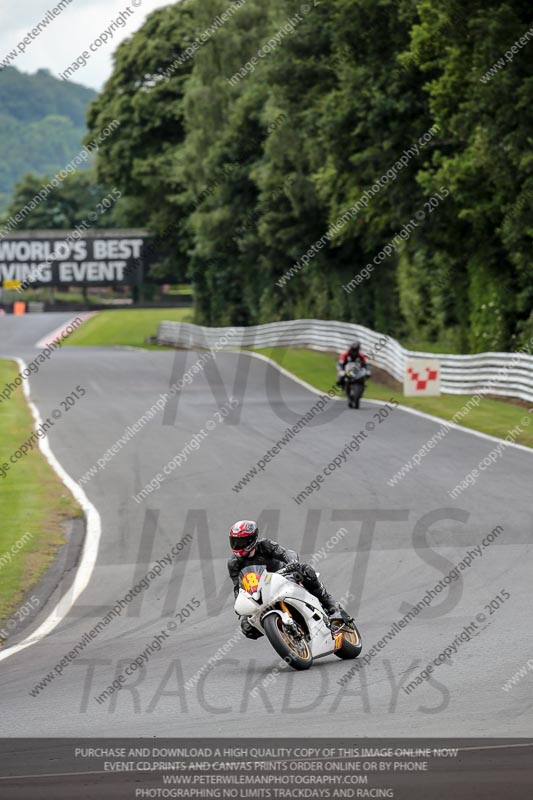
pixel 55 258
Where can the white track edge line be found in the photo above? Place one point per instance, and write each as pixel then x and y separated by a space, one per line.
pixel 406 409
pixel 90 547
pixel 49 337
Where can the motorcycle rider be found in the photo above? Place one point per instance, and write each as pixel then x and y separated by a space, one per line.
pixel 249 549
pixel 353 354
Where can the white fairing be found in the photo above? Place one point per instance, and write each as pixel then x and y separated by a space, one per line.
pixel 355 370
pixel 273 588
pixel 244 605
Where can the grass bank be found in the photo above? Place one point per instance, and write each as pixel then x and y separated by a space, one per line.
pixel 33 504
pixel 130 327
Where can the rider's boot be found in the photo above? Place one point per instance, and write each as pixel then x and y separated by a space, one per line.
pixel 326 599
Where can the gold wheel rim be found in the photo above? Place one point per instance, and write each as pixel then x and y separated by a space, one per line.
pixel 306 656
pixel 351 637
pixel 348 634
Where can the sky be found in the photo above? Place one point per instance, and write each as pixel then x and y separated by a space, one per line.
pixel 69 34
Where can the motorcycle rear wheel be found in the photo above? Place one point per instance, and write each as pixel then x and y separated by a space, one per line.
pixel 296 655
pixel 351 641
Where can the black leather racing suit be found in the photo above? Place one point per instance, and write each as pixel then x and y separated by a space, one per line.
pixel 273 556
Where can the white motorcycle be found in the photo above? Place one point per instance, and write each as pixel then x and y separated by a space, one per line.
pixel 355 376
pixel 293 620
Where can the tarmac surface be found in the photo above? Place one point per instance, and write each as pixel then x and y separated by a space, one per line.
pixel 385 545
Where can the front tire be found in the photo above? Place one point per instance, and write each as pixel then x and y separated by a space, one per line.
pixel 296 654
pixel 356 392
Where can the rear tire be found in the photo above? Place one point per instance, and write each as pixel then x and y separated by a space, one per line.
pixel 297 657
pixel 351 642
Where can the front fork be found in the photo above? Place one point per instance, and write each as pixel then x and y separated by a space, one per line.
pixel 289 621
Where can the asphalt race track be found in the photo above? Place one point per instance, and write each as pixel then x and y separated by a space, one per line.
pixel 399 542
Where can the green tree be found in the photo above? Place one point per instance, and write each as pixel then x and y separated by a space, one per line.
pixel 286 127
pixel 484 159
pixel 77 200
pixel 145 94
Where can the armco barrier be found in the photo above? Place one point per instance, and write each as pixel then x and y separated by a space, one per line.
pixel 505 374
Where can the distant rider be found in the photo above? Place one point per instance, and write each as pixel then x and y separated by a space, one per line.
pixel 353 354
pixel 249 549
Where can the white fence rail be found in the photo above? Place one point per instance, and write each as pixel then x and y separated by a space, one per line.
pixel 505 374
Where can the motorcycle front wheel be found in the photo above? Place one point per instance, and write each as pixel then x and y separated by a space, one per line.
pixel 356 392
pixel 297 654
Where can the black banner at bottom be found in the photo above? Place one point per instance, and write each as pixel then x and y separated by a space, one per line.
pixel 406 769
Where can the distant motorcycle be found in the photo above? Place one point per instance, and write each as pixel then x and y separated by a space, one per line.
pixel 293 620
pixel 355 377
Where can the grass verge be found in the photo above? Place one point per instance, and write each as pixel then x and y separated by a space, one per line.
pixel 125 328
pixel 33 503
pixel 495 417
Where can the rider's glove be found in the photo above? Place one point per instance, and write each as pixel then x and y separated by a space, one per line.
pixel 292 566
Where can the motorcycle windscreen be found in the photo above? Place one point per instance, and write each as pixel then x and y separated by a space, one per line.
pixel 354 370
pixel 249 577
